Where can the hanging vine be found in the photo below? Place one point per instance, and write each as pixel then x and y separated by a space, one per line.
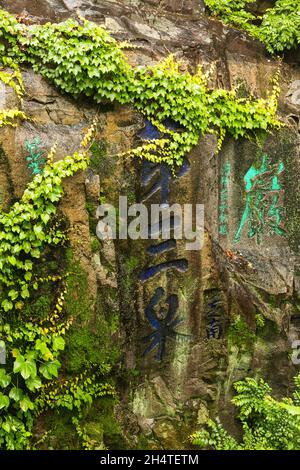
pixel 10 117
pixel 278 28
pixel 81 58
pixel 34 346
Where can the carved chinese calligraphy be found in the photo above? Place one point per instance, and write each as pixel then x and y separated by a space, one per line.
pixel 263 211
pixel 163 319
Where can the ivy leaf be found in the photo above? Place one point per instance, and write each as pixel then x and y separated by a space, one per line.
pixel 24 292
pixel 38 230
pixel 5 379
pixel 18 363
pixel 6 426
pixel 28 276
pixel 26 246
pixel 44 350
pixel 26 404
pixel 50 369
pixel 13 294
pixel 7 305
pixel 45 218
pixel 4 401
pixel 33 383
pixel 26 368
pixel 35 253
pixel 12 260
pixel 16 394
pixel 58 343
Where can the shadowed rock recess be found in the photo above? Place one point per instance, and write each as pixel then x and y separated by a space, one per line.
pixel 238 297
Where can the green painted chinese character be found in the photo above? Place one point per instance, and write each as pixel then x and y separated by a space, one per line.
pixel 263 190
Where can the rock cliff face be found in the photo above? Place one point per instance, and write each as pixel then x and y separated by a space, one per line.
pixel 238 297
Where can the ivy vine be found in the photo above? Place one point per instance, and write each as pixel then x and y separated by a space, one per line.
pixel 81 58
pixel 278 28
pixel 10 117
pixel 33 347
pixel 26 229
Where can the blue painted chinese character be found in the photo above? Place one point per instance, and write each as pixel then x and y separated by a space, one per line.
pixel 163 322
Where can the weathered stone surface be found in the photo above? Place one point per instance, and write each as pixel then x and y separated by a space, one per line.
pixel 293 94
pixel 166 434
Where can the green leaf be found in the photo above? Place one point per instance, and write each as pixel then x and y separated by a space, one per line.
pixel 6 426
pixel 12 260
pixel 24 292
pixel 25 368
pixel 35 253
pixel 42 347
pixel 13 294
pixel 292 409
pixel 26 404
pixel 58 343
pixel 26 246
pixel 33 383
pixel 16 394
pixel 29 370
pixel 4 401
pixel 45 218
pixel 19 362
pixel 7 305
pixel 28 276
pixel 38 230
pixel 5 379
pixel 50 369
